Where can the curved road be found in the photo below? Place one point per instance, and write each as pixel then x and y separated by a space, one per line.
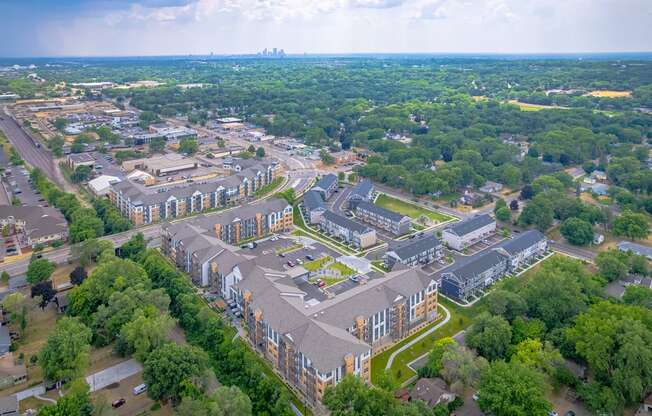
pixel 390 361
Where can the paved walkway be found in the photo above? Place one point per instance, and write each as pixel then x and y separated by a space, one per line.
pixel 390 361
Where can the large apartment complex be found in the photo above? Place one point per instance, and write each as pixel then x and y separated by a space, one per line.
pixel 463 234
pixel 347 230
pixel 146 206
pixel 413 252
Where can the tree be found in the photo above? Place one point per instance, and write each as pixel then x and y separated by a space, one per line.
pixel 5 277
pixel 612 264
pixel 17 307
pixel 39 270
pixel 76 402
pixel 168 366
pixel 461 368
pixel 44 291
pixel 135 248
pixel 188 146
pixel 351 397
pixel 434 365
pixel 577 231
pixel 513 389
pixel 226 401
pixel 638 296
pixel 147 331
pixel 66 351
pixel 260 152
pixel 157 145
pixel 78 275
pixel 538 212
pixel 503 214
pixel 507 304
pixel 81 174
pixel 527 192
pixel 89 250
pixel 490 336
pixel 326 157
pixel 540 356
pixel 513 205
pixel 632 225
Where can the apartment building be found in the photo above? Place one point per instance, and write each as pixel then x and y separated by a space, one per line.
pixel 414 252
pixel 471 278
pixel 254 221
pixel 363 191
pixel 467 232
pixel 380 217
pixel 34 225
pixel 347 230
pixel 326 186
pixel 313 206
pixel 146 206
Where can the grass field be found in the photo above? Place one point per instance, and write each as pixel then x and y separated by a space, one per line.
pixel 535 107
pixel 460 319
pixel 342 268
pixel 407 208
pixel 610 94
pixel 316 264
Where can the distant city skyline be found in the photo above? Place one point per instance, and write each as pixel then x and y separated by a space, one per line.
pixel 226 27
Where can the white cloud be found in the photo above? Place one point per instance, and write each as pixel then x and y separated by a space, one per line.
pixel 430 9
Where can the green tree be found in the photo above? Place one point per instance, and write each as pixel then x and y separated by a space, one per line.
pixel 434 365
pixel 638 296
pixel 157 145
pixel 17 307
pixel 168 366
pixel 612 264
pixel 632 225
pixel 503 214
pixel 538 212
pixel 135 248
pixel 66 351
pixel 577 231
pixel 260 152
pixel 461 368
pixel 148 330
pixel 81 174
pixel 539 356
pixel 326 157
pixel 226 401
pixel 490 336
pixel 513 389
pixel 76 402
pixel 507 304
pixel 188 146
pixel 39 270
pixel 351 397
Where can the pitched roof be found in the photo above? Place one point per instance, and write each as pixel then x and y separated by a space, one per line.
pixel 362 188
pixel 430 390
pixel 411 248
pixel 39 221
pixel 345 222
pixel 380 211
pixel 477 264
pixel 522 242
pixel 312 200
pixel 636 248
pixel 467 226
pixel 326 181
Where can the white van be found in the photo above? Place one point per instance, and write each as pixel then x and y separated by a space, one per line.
pixel 140 389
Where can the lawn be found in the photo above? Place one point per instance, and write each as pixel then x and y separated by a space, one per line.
pixel 331 280
pixel 407 208
pixel 313 266
pixel 460 319
pixel 342 268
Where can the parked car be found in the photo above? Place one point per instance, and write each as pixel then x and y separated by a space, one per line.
pixel 141 388
pixel 321 283
pixel 290 263
pixel 281 254
pixel 118 403
pixel 310 257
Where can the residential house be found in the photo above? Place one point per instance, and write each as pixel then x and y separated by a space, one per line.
pixel 326 186
pixel 469 279
pixel 523 248
pixel 348 230
pixel 467 232
pixel 432 391
pixel 491 187
pixel 599 175
pixel 362 191
pixel 393 222
pixel 416 251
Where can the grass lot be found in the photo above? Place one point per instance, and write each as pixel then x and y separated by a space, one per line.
pixel 331 280
pixel 270 187
pixel 460 319
pixel 342 268
pixel 535 107
pixel 610 94
pixel 290 248
pixel 411 210
pixel 315 265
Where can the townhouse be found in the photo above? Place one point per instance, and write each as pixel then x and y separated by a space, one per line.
pixel 380 217
pixel 413 252
pixel 145 206
pixel 363 191
pixel 326 186
pixel 482 270
pixel 347 230
pixel 313 206
pixel 467 232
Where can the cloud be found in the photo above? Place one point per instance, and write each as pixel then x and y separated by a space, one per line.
pixel 377 4
pixel 431 9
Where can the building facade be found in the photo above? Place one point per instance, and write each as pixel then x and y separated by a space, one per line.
pixel 326 186
pixel 465 233
pixel 347 230
pixel 418 251
pixel 363 191
pixel 380 217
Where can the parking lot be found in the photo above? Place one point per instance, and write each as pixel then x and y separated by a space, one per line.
pixel 106 165
pixel 17 184
pixel 483 244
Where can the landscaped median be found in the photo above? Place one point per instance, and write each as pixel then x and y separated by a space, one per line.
pixel 460 319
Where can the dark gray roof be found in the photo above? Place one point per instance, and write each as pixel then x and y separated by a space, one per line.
pixel 363 188
pixel 312 200
pixel 326 181
pixel 415 246
pixel 16 282
pixel 636 248
pixel 345 222
pixel 467 226
pixel 380 211
pixel 5 339
pixel 39 221
pixel 477 264
pixel 522 242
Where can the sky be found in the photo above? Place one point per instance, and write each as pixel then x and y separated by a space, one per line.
pixel 181 27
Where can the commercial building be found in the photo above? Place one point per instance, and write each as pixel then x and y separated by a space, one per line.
pixel 164 165
pixel 465 233
pixel 362 191
pixel 348 230
pixel 482 270
pixel 313 206
pixel 172 132
pixel 34 225
pixel 146 206
pixel 326 186
pixel 416 251
pixel 385 219
pixel 100 186
pixel 75 160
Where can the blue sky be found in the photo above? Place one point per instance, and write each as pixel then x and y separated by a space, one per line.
pixel 161 27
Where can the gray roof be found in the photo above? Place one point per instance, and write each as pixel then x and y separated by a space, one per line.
pixel 429 390
pixel 636 248
pixel 249 211
pixel 477 265
pixel 39 221
pixel 363 188
pixel 345 222
pixel 380 211
pixel 16 282
pixel 522 242
pixel 81 157
pixel 5 339
pixel 326 181
pixel 411 248
pixel 312 200
pixel 8 404
pixel 467 226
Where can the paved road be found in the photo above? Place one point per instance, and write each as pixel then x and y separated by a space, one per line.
pixel 36 156
pixel 113 374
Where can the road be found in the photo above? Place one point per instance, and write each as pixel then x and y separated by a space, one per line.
pixel 36 156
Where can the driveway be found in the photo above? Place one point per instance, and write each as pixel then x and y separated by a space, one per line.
pixel 113 374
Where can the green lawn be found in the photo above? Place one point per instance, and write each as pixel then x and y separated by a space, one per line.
pixel 407 208
pixel 331 280
pixel 460 319
pixel 276 182
pixel 316 264
pixel 342 268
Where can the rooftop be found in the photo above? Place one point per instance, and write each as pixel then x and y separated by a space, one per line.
pixel 39 221
pixel 468 226
pixel 411 248
pixel 363 188
pixel 345 222
pixel 476 265
pixel 326 181
pixel 636 248
pixel 521 242
pixel 380 211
